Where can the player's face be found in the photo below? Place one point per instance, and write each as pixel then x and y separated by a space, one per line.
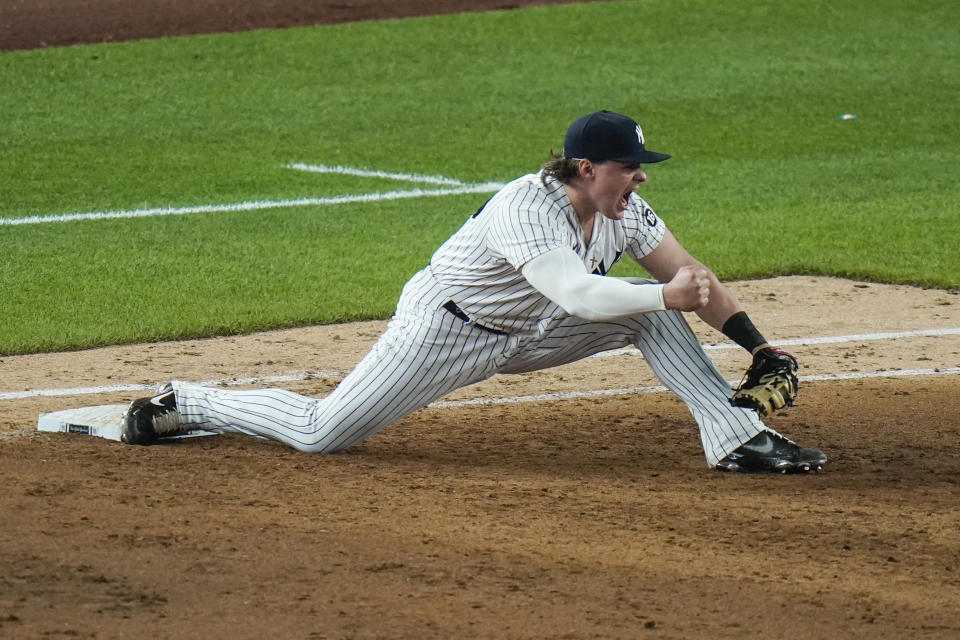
pixel 612 185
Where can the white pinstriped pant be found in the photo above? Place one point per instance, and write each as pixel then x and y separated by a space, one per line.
pixel 426 352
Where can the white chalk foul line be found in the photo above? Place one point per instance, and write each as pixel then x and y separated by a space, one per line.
pixel 452 186
pixel 375 173
pixel 303 375
pixel 232 382
pixel 623 391
pixel 789 342
pixel 376 196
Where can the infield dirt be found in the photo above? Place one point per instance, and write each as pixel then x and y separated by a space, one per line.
pixel 571 518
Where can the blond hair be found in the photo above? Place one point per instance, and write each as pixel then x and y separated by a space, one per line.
pixel 561 168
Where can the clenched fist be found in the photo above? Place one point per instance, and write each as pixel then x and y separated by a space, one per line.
pixel 689 290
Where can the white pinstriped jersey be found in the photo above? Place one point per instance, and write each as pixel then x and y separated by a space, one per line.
pixel 479 266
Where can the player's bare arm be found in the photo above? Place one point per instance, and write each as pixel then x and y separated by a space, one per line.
pixel 670 262
pixel 771 381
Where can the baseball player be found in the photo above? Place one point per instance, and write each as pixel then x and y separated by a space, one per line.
pixel 520 287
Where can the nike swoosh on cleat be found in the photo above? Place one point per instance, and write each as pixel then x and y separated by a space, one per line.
pixel 766 448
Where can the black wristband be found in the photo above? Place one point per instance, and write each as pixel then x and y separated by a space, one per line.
pixel 739 329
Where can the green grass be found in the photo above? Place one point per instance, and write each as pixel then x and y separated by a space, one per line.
pixel 765 179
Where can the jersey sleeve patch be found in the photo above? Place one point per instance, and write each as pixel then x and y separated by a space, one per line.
pixel 644 229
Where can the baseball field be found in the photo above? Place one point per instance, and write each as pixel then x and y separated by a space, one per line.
pixel 235 195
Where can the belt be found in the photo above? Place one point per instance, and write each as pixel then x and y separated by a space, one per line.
pixel 452 307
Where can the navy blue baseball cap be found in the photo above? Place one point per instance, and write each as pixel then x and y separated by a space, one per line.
pixel 606 135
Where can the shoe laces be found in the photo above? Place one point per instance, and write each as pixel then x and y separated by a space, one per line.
pixel 166 423
pixel 165 419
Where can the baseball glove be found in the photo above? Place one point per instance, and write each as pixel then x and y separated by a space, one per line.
pixel 769 384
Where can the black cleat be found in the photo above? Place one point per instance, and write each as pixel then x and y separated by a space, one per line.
pixel 149 419
pixel 771 452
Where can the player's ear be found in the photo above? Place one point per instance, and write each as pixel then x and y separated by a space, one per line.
pixel 586 167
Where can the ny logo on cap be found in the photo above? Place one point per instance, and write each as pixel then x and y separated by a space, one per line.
pixel 639 134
